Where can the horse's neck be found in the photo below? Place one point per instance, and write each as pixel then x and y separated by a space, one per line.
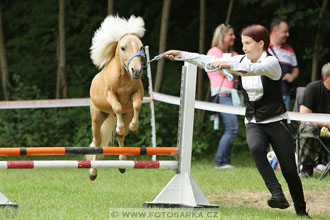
pixel 116 66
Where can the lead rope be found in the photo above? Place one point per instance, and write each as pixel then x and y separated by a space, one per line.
pixel 206 67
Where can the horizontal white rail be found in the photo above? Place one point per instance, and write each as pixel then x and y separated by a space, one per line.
pixel 81 102
pixel 134 164
pixel 50 103
pixel 314 117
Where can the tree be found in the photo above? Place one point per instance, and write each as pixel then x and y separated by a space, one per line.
pixel 318 40
pixel 61 86
pixel 3 63
pixel 201 50
pixel 230 7
pixel 110 7
pixel 162 44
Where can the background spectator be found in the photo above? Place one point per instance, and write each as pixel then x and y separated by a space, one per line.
pixel 279 32
pixel 316 99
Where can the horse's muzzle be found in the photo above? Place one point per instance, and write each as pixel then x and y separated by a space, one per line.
pixel 136 74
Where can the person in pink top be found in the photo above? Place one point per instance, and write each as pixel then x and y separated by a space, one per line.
pixel 222 43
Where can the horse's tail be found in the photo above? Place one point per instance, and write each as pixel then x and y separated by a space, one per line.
pixel 107 130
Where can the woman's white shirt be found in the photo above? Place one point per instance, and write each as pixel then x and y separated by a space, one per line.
pixel 251 81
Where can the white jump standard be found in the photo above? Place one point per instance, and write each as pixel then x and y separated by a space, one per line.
pixel 4 201
pixel 182 190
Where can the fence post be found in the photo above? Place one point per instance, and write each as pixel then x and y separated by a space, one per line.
pixel 182 190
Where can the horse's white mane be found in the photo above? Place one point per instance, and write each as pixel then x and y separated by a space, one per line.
pixel 106 37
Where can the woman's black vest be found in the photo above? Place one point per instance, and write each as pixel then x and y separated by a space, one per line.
pixel 271 103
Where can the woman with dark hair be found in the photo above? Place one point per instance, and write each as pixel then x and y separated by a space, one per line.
pixel 266 117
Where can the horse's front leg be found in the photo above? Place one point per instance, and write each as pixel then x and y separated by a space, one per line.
pixel 120 139
pixel 117 108
pixel 120 129
pixel 127 118
pixel 137 104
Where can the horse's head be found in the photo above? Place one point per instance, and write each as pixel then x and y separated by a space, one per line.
pixel 131 54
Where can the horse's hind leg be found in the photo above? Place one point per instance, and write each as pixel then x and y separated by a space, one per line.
pixel 98 118
pixel 126 119
pixel 92 171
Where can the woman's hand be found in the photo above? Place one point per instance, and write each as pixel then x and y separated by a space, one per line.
pixel 288 77
pixel 220 65
pixel 328 125
pixel 171 54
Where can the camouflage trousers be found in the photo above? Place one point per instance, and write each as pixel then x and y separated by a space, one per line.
pixel 308 145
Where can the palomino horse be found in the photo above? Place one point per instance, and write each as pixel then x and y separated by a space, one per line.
pixel 116 92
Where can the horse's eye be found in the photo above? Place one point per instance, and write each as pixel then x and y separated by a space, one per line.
pixel 122 48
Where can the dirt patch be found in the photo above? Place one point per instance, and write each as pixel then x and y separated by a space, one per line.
pixel 317 202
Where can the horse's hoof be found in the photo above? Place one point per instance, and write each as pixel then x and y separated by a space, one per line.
pixel 92 174
pixel 132 132
pixel 92 177
pixel 122 157
pixel 122 170
pixel 133 127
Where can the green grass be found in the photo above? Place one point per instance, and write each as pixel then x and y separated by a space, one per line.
pixel 68 194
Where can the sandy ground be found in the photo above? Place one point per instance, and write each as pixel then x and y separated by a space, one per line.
pixel 317 202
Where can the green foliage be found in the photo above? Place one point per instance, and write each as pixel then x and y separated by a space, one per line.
pixel 42 127
pixel 206 140
pixel 45 127
pixel 166 124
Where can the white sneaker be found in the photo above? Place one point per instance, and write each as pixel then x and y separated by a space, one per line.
pixel 226 166
pixel 320 167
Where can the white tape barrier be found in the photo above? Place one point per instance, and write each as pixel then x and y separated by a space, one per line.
pixel 80 102
pixel 50 103
pixel 239 110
